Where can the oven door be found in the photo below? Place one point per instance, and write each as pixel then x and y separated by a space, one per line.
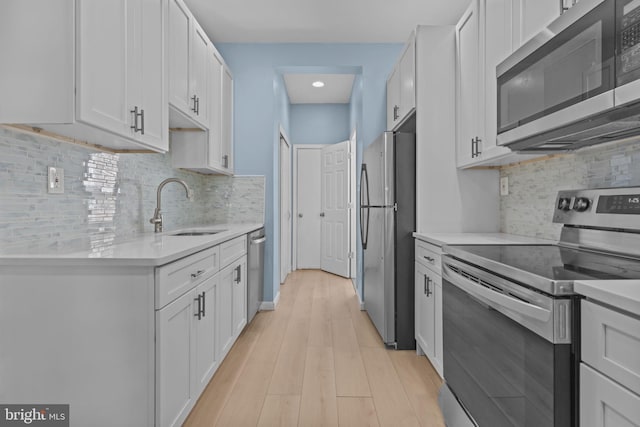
pixel 565 74
pixel 500 361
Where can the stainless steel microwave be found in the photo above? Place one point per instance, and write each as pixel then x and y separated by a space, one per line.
pixel 576 83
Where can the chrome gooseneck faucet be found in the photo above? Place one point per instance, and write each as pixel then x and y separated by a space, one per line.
pixel 157 216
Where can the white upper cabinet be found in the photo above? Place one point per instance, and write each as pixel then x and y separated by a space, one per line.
pixel 226 117
pixel 178 45
pixel 201 97
pixel 200 69
pixel 393 97
pixel 485 36
pixel 210 150
pixel 401 89
pixel 99 78
pixel 188 67
pixel 532 16
pixel 468 85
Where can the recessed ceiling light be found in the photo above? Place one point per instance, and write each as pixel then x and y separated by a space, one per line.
pixel 317 84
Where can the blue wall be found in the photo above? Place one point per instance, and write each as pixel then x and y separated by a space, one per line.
pixel 319 123
pixel 259 110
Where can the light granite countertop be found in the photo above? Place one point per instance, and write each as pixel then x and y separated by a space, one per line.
pixel 440 239
pixel 621 294
pixel 149 249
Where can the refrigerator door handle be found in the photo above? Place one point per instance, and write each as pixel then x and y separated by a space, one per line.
pixel 364 185
pixel 364 204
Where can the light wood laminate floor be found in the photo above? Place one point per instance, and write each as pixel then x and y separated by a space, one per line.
pixel 317 360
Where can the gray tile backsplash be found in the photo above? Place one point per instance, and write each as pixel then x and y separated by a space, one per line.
pixel 108 197
pixel 533 187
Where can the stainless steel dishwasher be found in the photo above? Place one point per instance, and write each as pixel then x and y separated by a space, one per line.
pixel 255 276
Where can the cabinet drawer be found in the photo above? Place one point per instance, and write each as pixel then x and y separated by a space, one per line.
pixel 604 403
pixel 173 280
pixel 232 250
pixel 429 255
pixel 611 344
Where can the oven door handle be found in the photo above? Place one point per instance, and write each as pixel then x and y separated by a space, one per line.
pixel 495 299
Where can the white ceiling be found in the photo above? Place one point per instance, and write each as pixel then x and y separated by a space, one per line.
pixel 320 21
pixel 337 88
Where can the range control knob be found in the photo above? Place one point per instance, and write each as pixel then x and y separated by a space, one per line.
pixel 564 203
pixel 581 204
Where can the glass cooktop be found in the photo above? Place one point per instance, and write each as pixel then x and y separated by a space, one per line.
pixel 553 265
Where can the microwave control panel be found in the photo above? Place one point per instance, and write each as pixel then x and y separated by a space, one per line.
pixel 630 36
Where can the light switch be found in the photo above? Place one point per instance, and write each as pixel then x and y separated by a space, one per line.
pixel 55 181
pixel 504 186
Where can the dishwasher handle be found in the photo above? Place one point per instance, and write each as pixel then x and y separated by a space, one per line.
pixel 258 241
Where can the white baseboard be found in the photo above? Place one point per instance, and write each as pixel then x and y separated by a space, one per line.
pixel 270 305
pixel 355 288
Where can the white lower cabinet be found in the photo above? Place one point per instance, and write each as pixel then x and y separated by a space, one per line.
pixel 232 308
pixel 610 368
pixel 224 331
pixel 605 403
pixel 425 312
pixel 428 303
pixel 175 347
pixel 239 308
pixel 206 359
pixel 196 331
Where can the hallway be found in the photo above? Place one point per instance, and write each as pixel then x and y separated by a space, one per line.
pixel 318 360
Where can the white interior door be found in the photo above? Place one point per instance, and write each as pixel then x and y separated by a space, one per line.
pixel 308 207
pixel 285 209
pixel 335 209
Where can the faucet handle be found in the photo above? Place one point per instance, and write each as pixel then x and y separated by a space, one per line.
pixel 157 221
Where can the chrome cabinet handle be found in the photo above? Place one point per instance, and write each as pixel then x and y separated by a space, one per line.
pixel 199 312
pixel 395 112
pixel 238 273
pixel 197 106
pixel 197 274
pixel 142 122
pixel 225 161
pixel 204 304
pixel 428 258
pixel 475 147
pixel 137 114
pixel 427 285
pixel 193 98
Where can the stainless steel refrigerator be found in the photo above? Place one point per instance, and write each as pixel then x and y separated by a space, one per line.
pixel 387 221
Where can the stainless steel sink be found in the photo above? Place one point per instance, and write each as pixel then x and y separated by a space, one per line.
pixel 197 233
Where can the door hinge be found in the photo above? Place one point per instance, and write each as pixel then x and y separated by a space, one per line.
pixel 395 207
pixel 352 255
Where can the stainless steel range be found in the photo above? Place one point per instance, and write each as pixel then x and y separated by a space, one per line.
pixel 511 317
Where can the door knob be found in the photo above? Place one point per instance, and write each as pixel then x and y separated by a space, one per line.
pixel 322 214
pixel 299 215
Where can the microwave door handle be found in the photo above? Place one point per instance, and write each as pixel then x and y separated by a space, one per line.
pixel 495 299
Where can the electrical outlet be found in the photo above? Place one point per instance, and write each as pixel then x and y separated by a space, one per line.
pixel 55 181
pixel 504 186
